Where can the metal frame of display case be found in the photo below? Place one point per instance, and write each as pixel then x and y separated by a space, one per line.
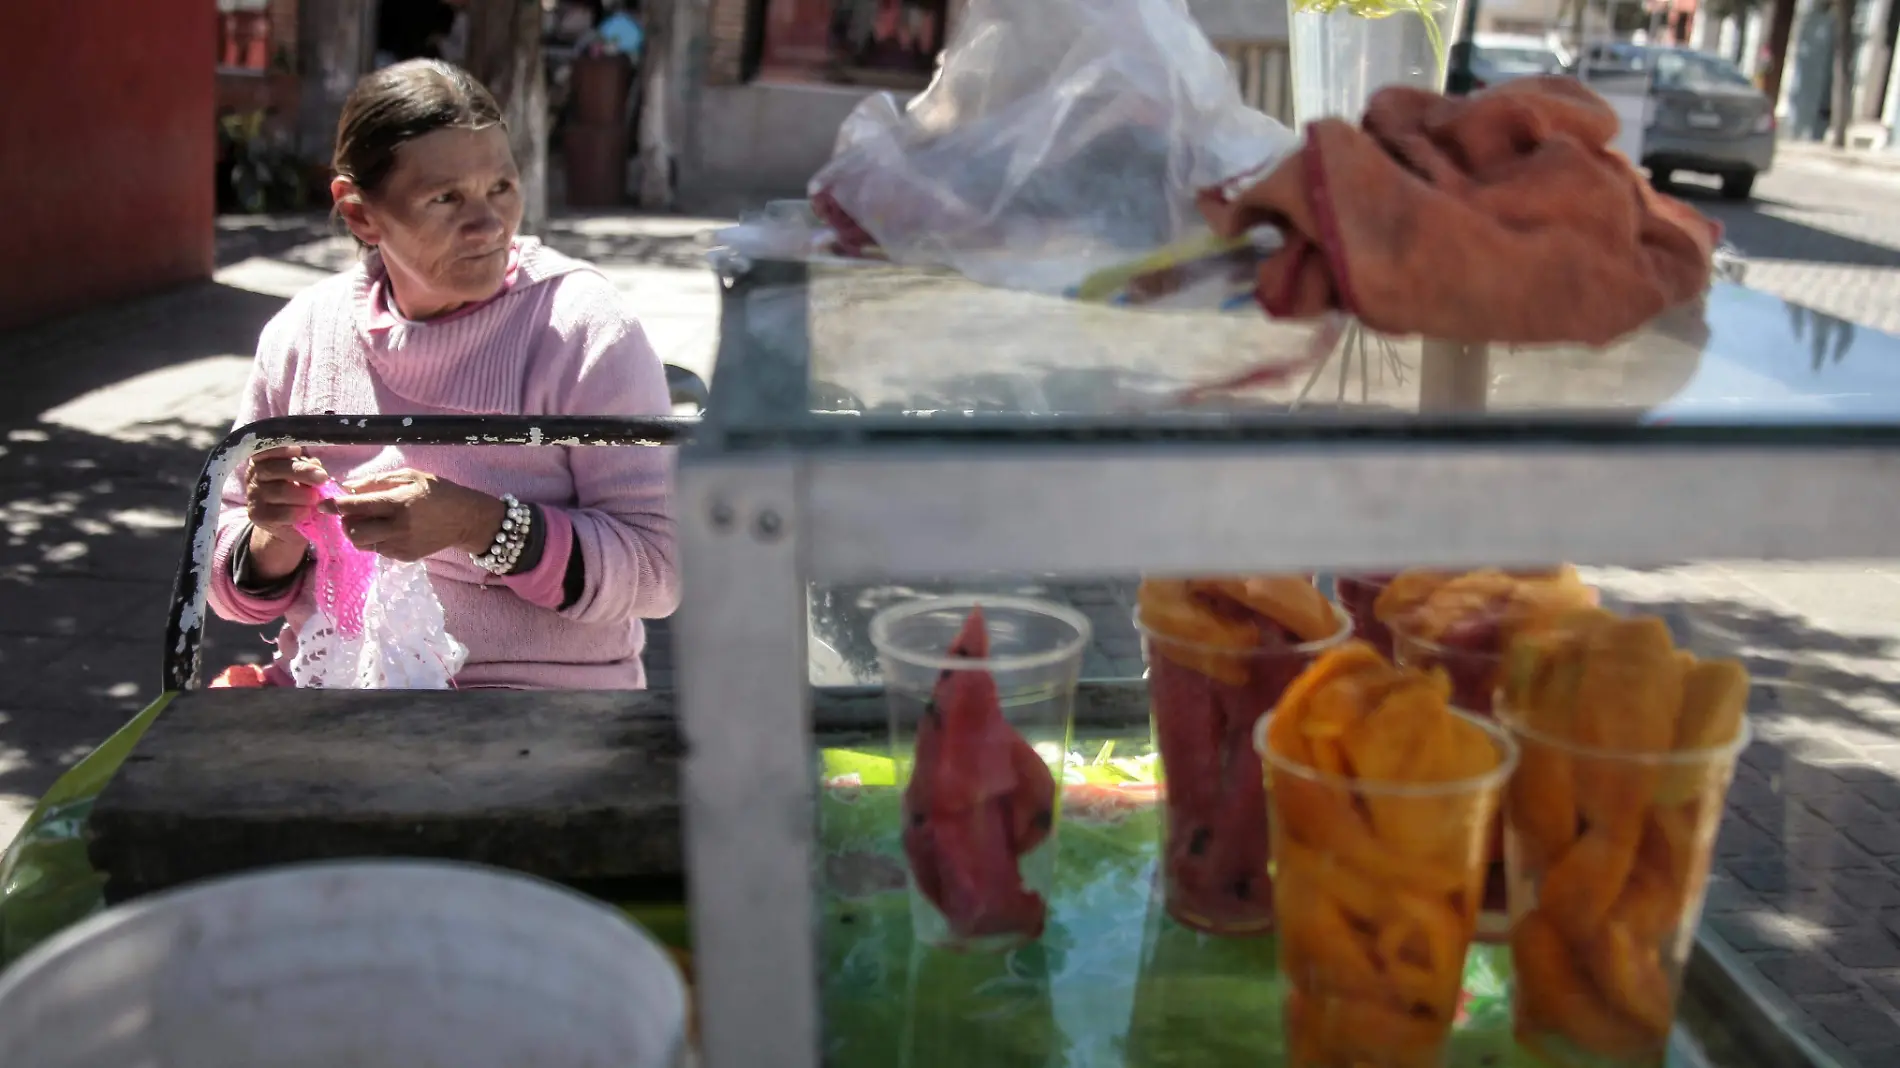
pixel 773 497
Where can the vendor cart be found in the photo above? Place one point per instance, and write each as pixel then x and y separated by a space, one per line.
pixel 873 425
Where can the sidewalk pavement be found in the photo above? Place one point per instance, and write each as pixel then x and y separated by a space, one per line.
pixel 108 415
pixel 1880 160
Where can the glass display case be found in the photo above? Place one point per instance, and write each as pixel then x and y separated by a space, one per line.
pixel 891 427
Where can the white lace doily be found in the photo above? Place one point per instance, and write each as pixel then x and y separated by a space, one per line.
pixel 403 645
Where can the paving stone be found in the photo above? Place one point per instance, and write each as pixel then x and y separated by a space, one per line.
pixel 1847 806
pixel 1111 631
pixel 25 656
pixel 1759 930
pixel 1883 793
pixel 1801 975
pixel 1738 838
pixel 1759 801
pixel 1882 1056
pixel 1823 908
pixel 1825 850
pixel 1883 762
pixel 1854 1022
pixel 1725 894
pixel 1871 888
pixel 1772 877
pixel 1794 820
pixel 1860 775
pixel 78 606
pixel 120 675
pixel 1885 985
pixel 1880 836
pixel 1807 781
pixel 1094 595
pixel 1865 947
pixel 1097 664
pixel 1764 756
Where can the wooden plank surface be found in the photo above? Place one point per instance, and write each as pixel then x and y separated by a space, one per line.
pixel 579 787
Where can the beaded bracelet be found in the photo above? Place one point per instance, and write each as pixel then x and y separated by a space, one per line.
pixel 510 540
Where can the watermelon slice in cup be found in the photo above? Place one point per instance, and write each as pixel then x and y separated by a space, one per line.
pixel 980 801
pixel 1220 652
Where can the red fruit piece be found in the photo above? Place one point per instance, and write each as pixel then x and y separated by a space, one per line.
pixel 926 760
pixel 853 239
pixel 981 890
pixel 1032 804
pixel 979 797
pixel 1188 727
pixel 1240 841
pixel 974 763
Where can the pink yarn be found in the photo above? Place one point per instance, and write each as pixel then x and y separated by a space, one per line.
pixel 343 572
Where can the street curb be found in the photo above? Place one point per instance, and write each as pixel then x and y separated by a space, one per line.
pixel 1776 1026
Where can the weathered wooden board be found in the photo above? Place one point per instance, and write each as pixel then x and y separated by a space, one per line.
pixel 579 787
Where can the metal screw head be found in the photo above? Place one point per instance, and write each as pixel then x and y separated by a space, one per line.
pixel 769 525
pixel 721 515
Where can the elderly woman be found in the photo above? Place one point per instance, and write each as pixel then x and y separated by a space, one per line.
pixel 545 559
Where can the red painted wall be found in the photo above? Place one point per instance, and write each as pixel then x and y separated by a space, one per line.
pixel 107 151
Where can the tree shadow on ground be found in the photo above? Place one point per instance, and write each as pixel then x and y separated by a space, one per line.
pixel 627 240
pixel 91 534
pixel 103 429
pixel 1759 232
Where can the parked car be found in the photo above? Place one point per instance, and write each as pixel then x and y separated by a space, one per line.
pixel 1705 116
pixel 1497 58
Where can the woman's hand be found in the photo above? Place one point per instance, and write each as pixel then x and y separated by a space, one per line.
pixel 279 493
pixel 408 515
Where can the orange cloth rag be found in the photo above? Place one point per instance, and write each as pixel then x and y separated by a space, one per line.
pixel 1501 217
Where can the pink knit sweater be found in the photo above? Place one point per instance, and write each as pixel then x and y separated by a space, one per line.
pixel 557 340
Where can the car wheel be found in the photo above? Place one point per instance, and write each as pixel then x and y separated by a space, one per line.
pixel 1738 186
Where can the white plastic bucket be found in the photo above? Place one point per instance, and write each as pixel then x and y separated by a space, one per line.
pixel 376 964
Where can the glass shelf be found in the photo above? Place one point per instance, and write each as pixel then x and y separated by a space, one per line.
pixel 856 352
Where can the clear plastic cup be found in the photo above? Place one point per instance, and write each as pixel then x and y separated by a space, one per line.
pixel 1373 926
pixel 1474 672
pixel 1341 58
pixel 1204 701
pixel 1475 675
pixel 1604 919
pixel 979 745
pixel 1358 594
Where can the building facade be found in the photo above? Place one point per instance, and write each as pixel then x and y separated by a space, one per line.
pixel 109 150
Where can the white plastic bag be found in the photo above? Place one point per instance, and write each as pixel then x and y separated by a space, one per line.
pixel 1060 137
pixel 378 624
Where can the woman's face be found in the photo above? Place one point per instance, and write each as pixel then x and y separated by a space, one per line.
pixel 443 220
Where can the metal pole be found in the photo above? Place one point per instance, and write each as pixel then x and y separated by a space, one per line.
pixel 1458 77
pixel 1453 377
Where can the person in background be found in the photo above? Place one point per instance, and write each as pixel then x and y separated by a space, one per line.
pixel 545 559
pixel 451 45
pixel 412 29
